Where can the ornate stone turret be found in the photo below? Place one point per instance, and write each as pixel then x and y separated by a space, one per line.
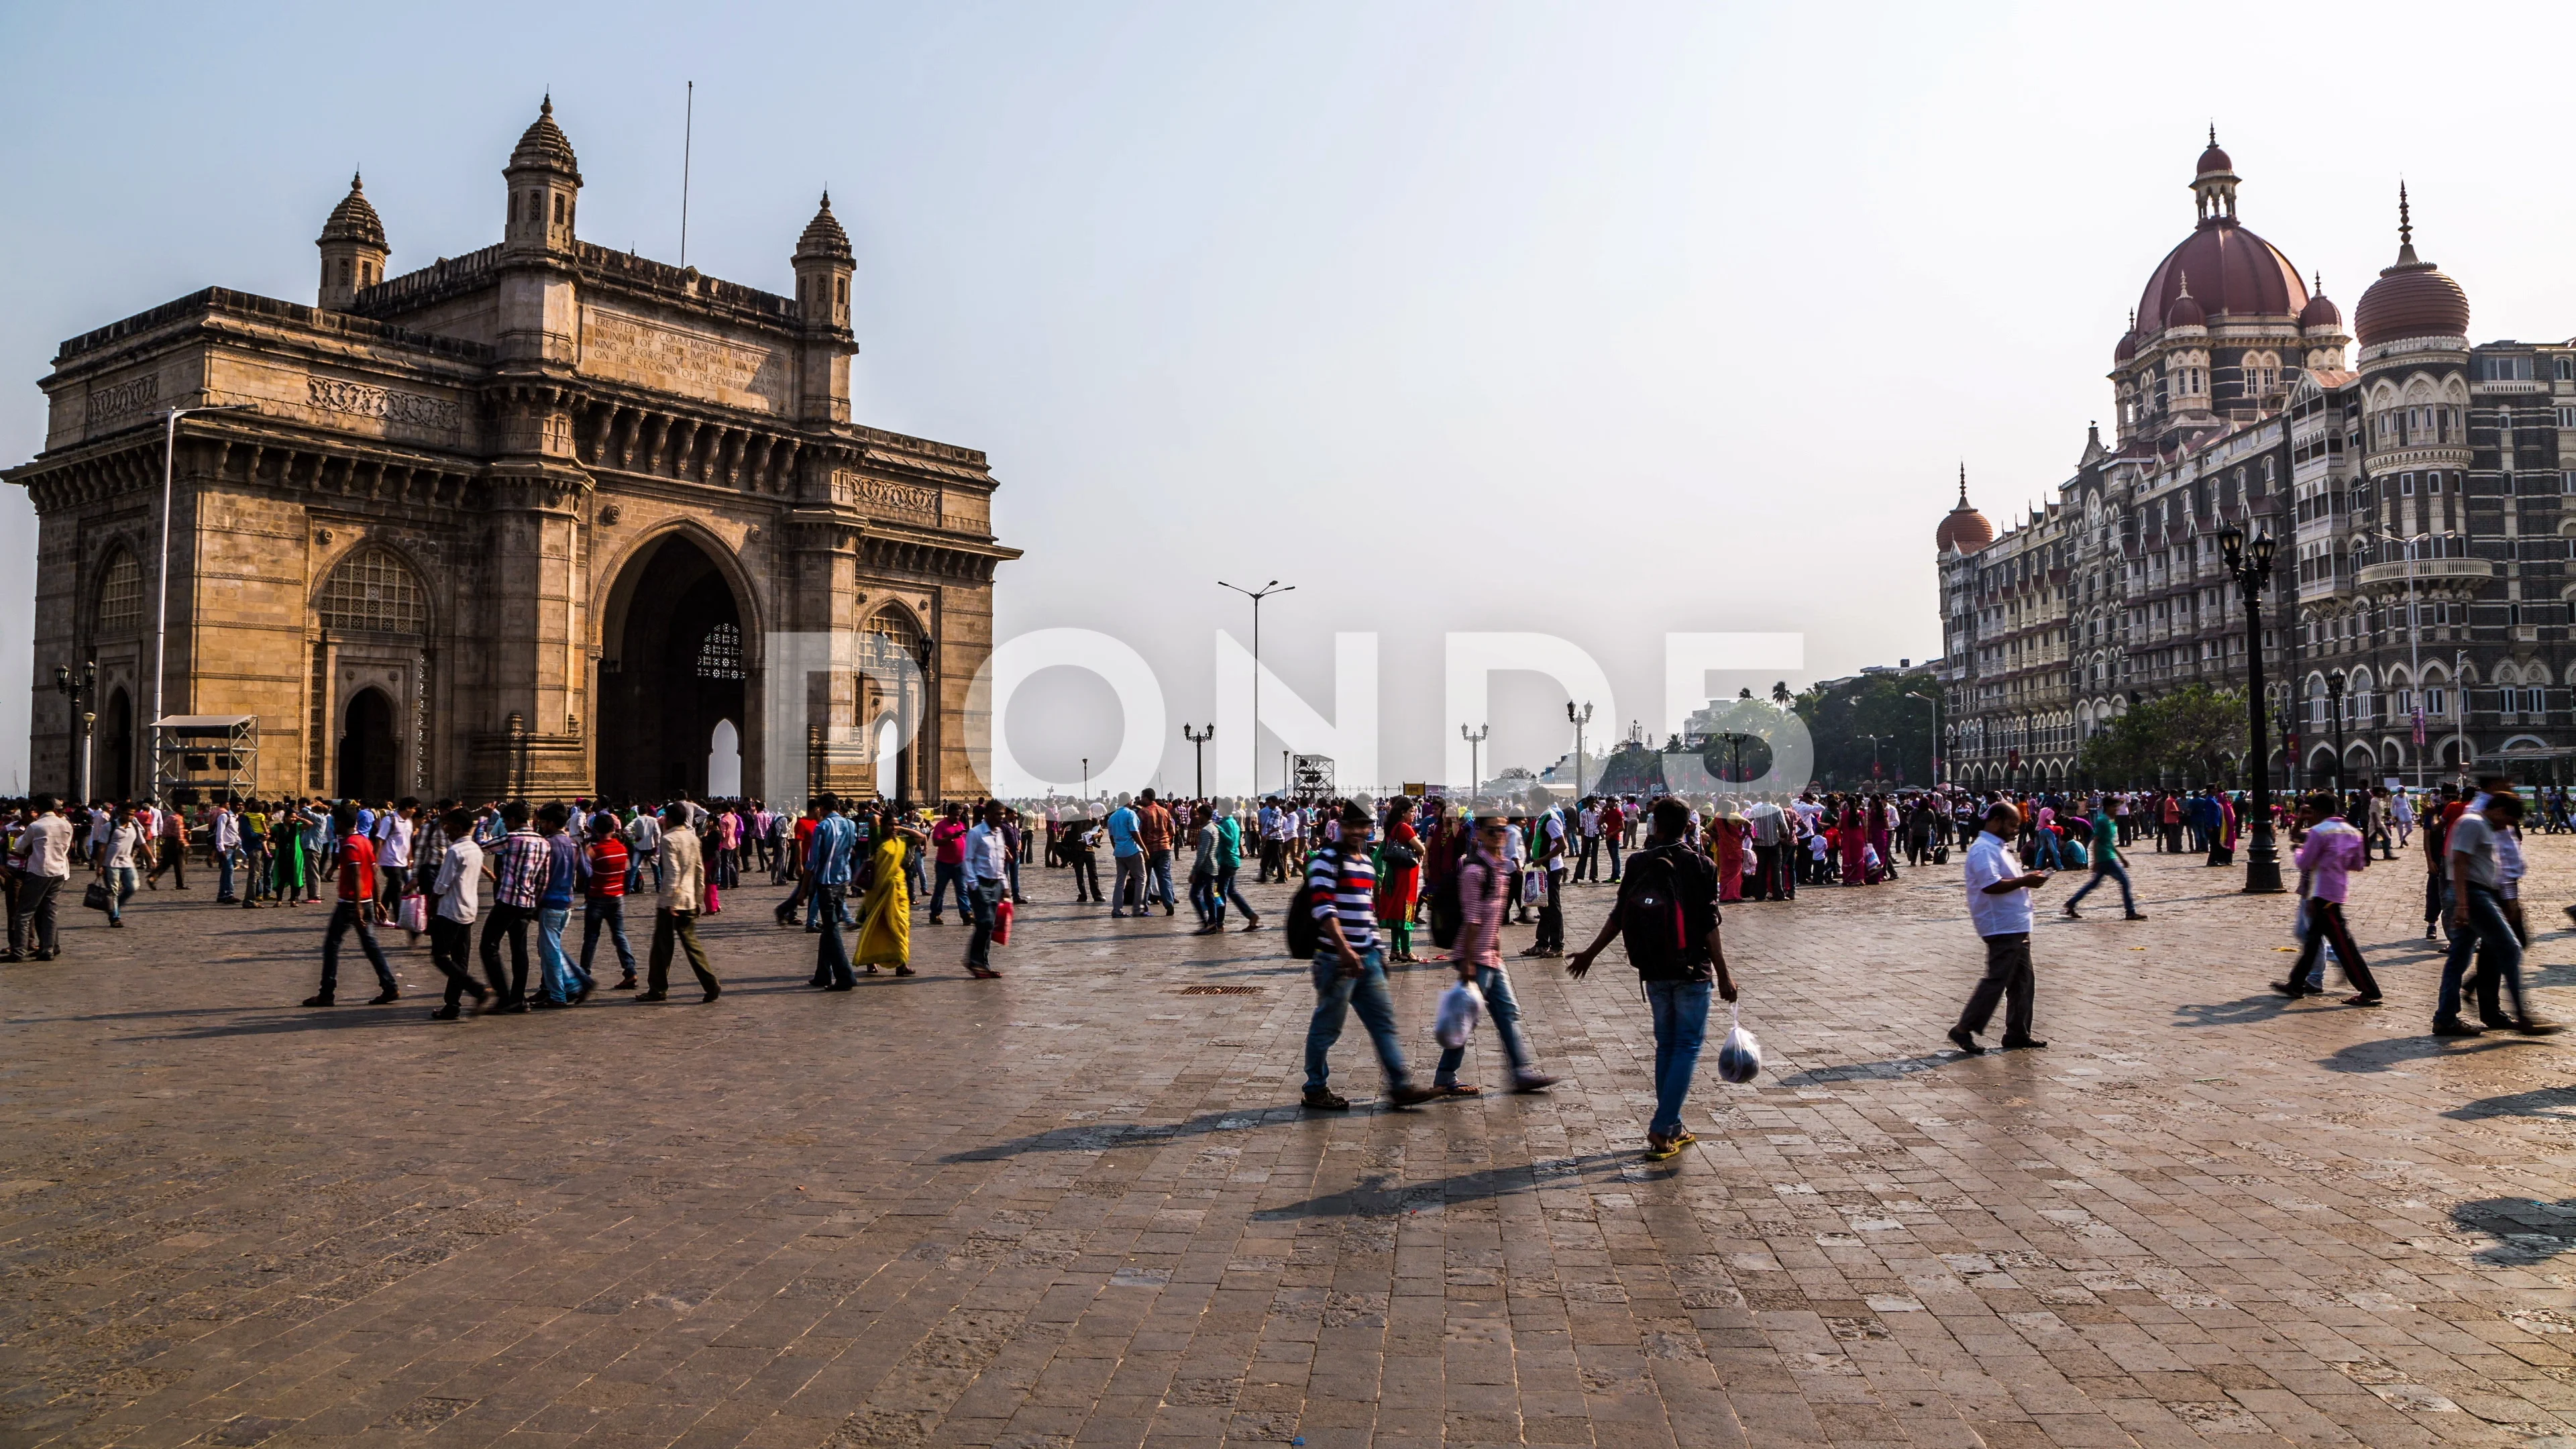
pixel 824 265
pixel 353 250
pixel 545 184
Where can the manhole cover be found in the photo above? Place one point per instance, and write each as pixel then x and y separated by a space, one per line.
pixel 1220 991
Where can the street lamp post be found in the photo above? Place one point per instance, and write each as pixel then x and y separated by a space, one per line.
pixel 1475 758
pixel 2252 569
pixel 1086 782
pixel 80 690
pixel 2414 654
pixel 1873 752
pixel 1933 700
pixel 161 575
pixel 1579 721
pixel 1198 742
pixel 2334 705
pixel 1254 744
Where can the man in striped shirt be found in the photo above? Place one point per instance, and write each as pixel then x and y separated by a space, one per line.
pixel 1349 967
pixel 519 866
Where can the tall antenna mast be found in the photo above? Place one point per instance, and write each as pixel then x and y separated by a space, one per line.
pixel 688 124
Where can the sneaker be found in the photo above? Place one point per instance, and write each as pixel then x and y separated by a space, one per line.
pixel 1318 1099
pixel 2533 1026
pixel 1456 1089
pixel 1961 1038
pixel 2135 916
pixel 1533 1082
pixel 2456 1027
pixel 1409 1096
pixel 385 997
pixel 320 999
pixel 624 983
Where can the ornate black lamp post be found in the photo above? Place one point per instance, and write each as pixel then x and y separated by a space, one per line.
pixel 1198 741
pixel 2252 569
pixel 81 688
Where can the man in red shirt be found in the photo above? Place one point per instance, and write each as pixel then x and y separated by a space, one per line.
pixel 948 853
pixel 1155 832
pixel 603 888
pixel 357 895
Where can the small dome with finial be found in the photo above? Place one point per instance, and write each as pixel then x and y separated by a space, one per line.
pixel 2412 298
pixel 1963 528
pixel 2214 162
pixel 823 235
pixel 2185 312
pixel 2320 313
pixel 354 219
pixel 2127 349
pixel 544 147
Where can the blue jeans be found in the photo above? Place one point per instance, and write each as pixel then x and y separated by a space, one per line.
pixel 122 882
pixel 611 912
pixel 1205 899
pixel 562 977
pixel 223 875
pixel 1227 890
pixel 1159 864
pixel 2045 856
pixel 2488 936
pixel 1505 1012
pixel 1681 1028
pixel 950 874
pixel 1336 996
pixel 2104 865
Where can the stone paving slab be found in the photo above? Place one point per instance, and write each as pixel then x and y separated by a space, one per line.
pixel 1079 1207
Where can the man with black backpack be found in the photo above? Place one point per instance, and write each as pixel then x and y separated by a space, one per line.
pixel 1335 922
pixel 1667 917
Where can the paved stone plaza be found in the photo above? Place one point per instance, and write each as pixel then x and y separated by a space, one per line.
pixel 1079 1206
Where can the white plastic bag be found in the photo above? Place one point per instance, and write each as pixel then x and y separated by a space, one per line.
pixel 1460 1005
pixel 1740 1059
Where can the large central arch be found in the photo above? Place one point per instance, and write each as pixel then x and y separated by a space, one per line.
pixel 674 665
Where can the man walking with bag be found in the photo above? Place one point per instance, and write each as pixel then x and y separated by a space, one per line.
pixel 1668 918
pixel 1349 969
pixel 1999 907
pixel 1481 887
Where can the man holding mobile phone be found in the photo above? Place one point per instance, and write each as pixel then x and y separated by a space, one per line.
pixel 1999 906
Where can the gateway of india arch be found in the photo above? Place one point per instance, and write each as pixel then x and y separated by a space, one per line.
pixel 545 519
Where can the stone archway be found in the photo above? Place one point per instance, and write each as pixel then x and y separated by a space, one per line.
pixel 673 666
pixel 370 764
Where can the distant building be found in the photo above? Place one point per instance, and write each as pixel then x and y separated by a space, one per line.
pixel 2236 405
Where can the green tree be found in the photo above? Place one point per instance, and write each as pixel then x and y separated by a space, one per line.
pixel 2190 733
pixel 1894 707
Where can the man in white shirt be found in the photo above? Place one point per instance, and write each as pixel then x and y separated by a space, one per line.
pixel 223 839
pixel 1999 907
pixel 987 870
pixel 458 884
pixel 643 837
pixel 393 855
pixel 44 862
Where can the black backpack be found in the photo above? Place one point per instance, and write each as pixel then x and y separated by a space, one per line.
pixel 1667 907
pixel 1301 934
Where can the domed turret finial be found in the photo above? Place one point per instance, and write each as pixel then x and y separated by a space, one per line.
pixel 2213 132
pixel 1963 482
pixel 546 107
pixel 2405 229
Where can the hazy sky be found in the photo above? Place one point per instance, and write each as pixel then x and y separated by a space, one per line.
pixel 1599 320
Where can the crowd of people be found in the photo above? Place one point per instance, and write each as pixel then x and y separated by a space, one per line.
pixel 1382 883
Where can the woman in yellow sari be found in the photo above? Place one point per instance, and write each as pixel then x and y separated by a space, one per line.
pixel 885 912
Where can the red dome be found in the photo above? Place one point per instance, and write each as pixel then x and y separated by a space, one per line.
pixel 2320 313
pixel 2411 298
pixel 2127 349
pixel 2186 312
pixel 2214 162
pixel 2233 272
pixel 1964 529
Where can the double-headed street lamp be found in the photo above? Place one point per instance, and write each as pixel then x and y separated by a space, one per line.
pixel 1933 700
pixel 1475 752
pixel 1579 721
pixel 81 690
pixel 2252 569
pixel 1256 596
pixel 1198 741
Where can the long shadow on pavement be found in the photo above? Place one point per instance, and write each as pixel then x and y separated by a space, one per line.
pixel 2526 1232
pixel 2376 1056
pixel 1382 1196
pixel 1869 1071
